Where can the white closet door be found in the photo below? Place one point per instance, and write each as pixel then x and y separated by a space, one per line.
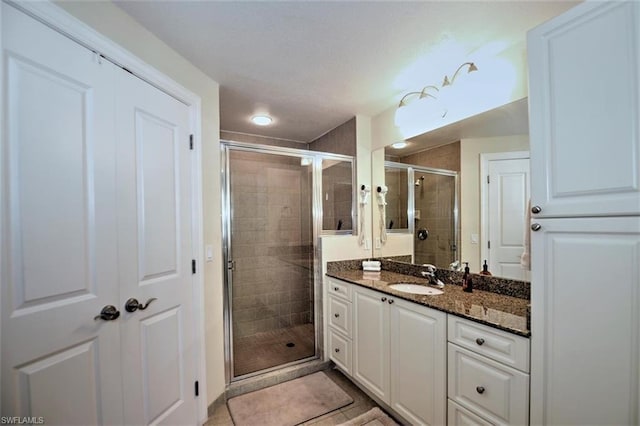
pixel 59 257
pixel 508 197
pixel 154 256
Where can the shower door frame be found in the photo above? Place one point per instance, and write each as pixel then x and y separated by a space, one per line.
pixel 316 218
pixel 411 200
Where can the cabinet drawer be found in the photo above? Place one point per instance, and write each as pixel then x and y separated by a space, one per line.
pixel 340 315
pixel 460 416
pixel 494 391
pixel 498 345
pixel 340 350
pixel 338 288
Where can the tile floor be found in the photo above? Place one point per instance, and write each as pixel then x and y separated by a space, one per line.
pixel 268 349
pixel 361 404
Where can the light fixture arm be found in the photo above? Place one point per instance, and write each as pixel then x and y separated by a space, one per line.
pixel 472 68
pixel 423 94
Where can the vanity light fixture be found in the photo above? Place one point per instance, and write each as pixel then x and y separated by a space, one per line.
pixel 424 107
pixel 262 120
pixel 472 68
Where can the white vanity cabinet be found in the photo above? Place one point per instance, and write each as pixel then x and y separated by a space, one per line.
pixel 400 354
pixel 488 380
pixel 585 188
pixel 339 321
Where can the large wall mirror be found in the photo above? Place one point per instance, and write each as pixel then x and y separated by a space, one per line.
pixel 458 194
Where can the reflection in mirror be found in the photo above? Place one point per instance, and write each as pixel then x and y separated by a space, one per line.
pixel 396 178
pixel 462 147
pixel 337 195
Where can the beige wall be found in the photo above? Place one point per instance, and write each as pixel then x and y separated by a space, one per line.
pixel 470 150
pixel 111 21
pixel 495 88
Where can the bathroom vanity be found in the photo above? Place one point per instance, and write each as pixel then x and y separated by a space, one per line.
pixel 454 358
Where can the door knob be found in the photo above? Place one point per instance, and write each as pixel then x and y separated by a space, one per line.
pixel 108 313
pixel 133 305
pixel 535 227
pixel 536 209
pixel 384 299
pixel 390 301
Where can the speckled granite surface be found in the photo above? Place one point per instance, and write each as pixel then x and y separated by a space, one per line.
pixel 497 310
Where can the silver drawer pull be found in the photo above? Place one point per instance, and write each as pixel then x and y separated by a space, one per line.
pixel 480 341
pixel 390 301
pixel 336 315
pixel 536 227
pixel 536 209
pixel 384 299
pixel 337 350
pixel 480 389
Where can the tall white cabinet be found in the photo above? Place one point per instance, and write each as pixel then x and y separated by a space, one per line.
pixel 585 197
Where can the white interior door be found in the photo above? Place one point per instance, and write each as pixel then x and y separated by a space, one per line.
pixel 508 195
pixel 98 202
pixel 154 254
pixel 59 250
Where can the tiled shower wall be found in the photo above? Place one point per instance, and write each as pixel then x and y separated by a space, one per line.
pixel 272 243
pixel 435 200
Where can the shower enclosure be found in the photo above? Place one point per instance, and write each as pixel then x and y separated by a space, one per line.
pixel 270 225
pixel 424 202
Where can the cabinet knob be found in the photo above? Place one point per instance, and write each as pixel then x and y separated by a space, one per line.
pixel 535 226
pixel 480 341
pixel 384 299
pixel 390 301
pixel 336 315
pixel 336 288
pixel 480 389
pixel 536 209
pixel 337 350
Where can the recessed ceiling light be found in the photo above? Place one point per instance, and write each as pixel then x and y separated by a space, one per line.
pixel 262 120
pixel 399 145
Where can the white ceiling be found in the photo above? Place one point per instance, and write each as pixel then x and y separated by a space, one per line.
pixel 314 65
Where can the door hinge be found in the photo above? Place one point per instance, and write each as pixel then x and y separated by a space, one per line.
pixel 191 142
pixel 197 388
pixel 231 265
pixel 487 178
pixel 193 266
pixel 488 244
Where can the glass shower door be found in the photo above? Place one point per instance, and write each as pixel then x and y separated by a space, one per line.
pixel 271 259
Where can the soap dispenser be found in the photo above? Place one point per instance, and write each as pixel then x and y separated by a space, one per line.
pixel 467 283
pixel 485 269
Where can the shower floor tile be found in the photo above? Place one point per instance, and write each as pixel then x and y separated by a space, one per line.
pixel 269 349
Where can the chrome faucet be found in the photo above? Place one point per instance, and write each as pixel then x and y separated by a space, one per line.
pixel 430 274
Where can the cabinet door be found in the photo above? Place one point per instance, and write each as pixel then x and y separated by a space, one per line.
pixel 583 111
pixel 585 297
pixel 418 363
pixel 371 341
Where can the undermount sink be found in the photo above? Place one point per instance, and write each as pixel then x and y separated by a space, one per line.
pixel 416 289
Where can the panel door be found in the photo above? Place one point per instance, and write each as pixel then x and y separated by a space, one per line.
pixel 418 363
pixel 371 341
pixel 583 111
pixel 154 254
pixel 585 297
pixel 508 198
pixel 59 248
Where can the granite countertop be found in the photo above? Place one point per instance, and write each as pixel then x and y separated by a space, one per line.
pixel 496 310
